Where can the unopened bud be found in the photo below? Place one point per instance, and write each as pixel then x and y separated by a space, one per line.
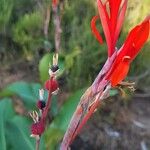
pixel 51 85
pixel 41 104
pixel 37 128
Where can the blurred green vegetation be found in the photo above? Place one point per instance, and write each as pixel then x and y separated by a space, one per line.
pixel 81 58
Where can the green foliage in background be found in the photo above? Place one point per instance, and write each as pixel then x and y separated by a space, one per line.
pixel 5 13
pixel 27 32
pixel 76 31
pixel 13 135
pixel 10 128
pixel 28 94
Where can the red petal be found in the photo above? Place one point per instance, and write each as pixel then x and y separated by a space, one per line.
pixel 134 42
pixel 95 31
pixel 120 72
pixel 113 25
pixel 105 23
pixel 120 20
pixel 54 3
pixel 114 9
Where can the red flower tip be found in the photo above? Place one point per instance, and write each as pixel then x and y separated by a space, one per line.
pixel 120 71
pixel 112 13
pixel 54 3
pixel 51 85
pixel 94 29
pixel 41 104
pixel 37 128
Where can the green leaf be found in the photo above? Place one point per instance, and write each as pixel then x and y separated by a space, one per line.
pixel 2 133
pixel 2 130
pixel 44 66
pixel 14 129
pixel 55 135
pixel 61 121
pixel 28 92
pixel 6 112
pixel 54 106
pixel 18 128
pixel 69 58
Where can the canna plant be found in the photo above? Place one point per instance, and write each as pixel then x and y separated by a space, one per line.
pixel 115 70
pixel 51 86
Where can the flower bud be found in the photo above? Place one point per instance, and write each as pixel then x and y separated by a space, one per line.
pixel 41 104
pixel 37 128
pixel 51 85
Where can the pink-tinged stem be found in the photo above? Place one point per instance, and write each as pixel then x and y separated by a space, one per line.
pixel 71 129
pixel 48 104
pixel 85 119
pixel 76 119
pixel 91 110
pixel 107 66
pixel 57 23
pixel 79 117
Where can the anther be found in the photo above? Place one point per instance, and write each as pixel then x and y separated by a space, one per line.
pixel 34 115
pixel 54 69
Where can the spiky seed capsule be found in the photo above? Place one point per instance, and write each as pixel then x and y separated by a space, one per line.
pixel 41 104
pixel 37 128
pixel 51 85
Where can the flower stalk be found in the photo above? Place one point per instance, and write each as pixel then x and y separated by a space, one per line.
pixel 115 70
pixel 51 85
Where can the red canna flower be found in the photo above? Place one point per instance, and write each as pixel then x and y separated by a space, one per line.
pixel 112 19
pixel 132 46
pixel 111 13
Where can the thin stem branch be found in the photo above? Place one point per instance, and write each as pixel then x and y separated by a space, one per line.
pixel 99 97
pixel 57 23
pixel 47 20
pixel 44 115
pixel 45 112
pixel 37 144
